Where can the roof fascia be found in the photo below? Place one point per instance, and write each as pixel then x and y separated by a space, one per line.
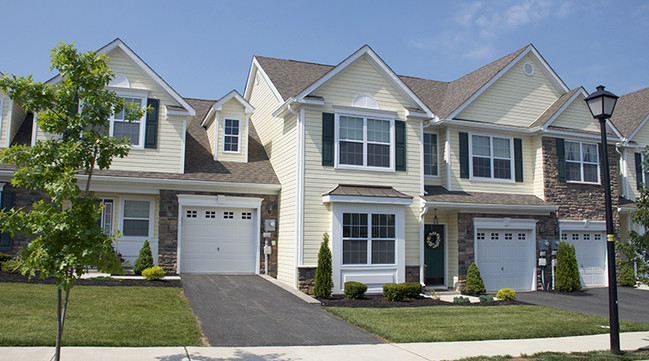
pixel 218 106
pixel 251 75
pixel 527 209
pixel 610 140
pixel 488 126
pixel 378 64
pixel 563 107
pixel 637 129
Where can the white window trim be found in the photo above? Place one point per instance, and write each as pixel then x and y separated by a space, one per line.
pixel 112 215
pixel 437 154
pixel 369 240
pixel 365 116
pixel 581 162
pixel 143 95
pixel 491 157
pixel 152 206
pixel 238 135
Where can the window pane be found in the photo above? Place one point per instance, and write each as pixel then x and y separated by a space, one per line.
pixel 573 171
pixel 231 143
pixel 481 145
pixel 378 131
pixel 136 209
pixel 430 154
pixel 590 173
pixel 382 251
pixel 354 225
pixel 351 128
pixel 136 227
pixel 378 155
pixel 232 126
pixel 572 151
pixel 590 153
pixel 502 169
pixel 351 153
pixel 129 130
pixel 481 167
pixel 383 226
pixel 354 251
pixel 502 148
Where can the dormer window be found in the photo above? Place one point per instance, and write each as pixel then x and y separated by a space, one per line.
pixel 231 135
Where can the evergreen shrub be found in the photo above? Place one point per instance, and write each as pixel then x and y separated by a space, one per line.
pixel 627 276
pixel 566 276
pixel 355 290
pixel 144 259
pixel 153 273
pixel 323 281
pixel 474 283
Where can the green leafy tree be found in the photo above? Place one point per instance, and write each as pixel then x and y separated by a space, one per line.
pixel 74 112
pixel 636 250
pixel 474 282
pixel 144 259
pixel 323 281
pixel 566 276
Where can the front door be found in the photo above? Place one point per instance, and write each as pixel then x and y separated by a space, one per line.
pixel 434 251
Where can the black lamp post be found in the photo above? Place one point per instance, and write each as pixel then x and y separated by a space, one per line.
pixel 601 104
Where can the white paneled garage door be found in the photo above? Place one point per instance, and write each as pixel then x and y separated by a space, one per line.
pixel 505 258
pixel 590 249
pixel 218 240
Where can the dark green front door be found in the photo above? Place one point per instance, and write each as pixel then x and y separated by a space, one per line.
pixel 434 249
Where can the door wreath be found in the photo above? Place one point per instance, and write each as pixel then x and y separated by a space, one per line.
pixel 429 240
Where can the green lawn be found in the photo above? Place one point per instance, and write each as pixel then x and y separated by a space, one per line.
pixel 466 323
pixel 97 316
pixel 558 356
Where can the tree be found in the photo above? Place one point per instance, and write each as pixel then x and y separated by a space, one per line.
pixel 474 282
pixel 74 113
pixel 566 277
pixel 636 250
pixel 323 282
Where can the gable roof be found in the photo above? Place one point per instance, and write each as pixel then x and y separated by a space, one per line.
pixel 218 106
pixel 144 68
pixel 631 112
pixel 290 77
pixel 557 108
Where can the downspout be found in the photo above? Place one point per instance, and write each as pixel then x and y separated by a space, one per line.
pixel 299 191
pixel 424 210
pixel 624 172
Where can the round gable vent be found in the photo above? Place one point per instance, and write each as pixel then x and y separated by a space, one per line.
pixel 528 68
pixel 365 101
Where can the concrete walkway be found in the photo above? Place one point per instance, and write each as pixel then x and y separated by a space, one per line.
pixel 377 352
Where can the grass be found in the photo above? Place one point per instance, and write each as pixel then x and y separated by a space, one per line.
pixel 465 323
pixel 559 356
pixel 97 316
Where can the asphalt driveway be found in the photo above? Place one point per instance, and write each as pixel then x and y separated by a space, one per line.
pixel 247 310
pixel 633 303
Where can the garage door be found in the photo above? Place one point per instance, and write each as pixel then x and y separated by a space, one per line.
pixel 590 249
pixel 218 240
pixel 505 258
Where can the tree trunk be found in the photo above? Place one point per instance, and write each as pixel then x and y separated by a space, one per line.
pixel 61 309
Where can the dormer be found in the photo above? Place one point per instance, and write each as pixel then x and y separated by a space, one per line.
pixel 227 124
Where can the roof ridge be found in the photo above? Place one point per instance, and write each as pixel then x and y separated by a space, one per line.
pixel 517 52
pixel 293 60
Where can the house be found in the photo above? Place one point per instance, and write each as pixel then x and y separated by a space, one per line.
pixel 196 184
pixel 414 179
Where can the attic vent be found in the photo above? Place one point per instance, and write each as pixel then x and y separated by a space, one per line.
pixel 365 101
pixel 119 80
pixel 528 68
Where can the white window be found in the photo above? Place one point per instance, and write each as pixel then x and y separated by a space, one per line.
pixel 369 238
pixel 231 135
pixel 365 142
pixel 228 215
pixel 491 157
pixel 192 213
pixel 134 130
pixel 582 162
pixel 106 221
pixel 430 154
pixel 136 220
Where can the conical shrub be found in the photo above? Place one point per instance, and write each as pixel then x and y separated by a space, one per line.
pixel 627 276
pixel 144 259
pixel 474 282
pixel 323 282
pixel 566 276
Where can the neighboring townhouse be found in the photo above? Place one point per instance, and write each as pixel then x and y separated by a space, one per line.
pixel 196 184
pixel 414 179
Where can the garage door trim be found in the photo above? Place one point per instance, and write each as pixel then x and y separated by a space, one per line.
pixel 586 225
pixel 219 201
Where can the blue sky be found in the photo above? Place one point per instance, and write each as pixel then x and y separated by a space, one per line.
pixel 204 48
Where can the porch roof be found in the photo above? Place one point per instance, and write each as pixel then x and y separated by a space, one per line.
pixel 440 196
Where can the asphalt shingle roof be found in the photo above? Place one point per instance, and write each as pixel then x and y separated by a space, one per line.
pixel 631 109
pixel 366 191
pixel 441 194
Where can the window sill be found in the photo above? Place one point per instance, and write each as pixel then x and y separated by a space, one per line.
pixel 492 180
pixel 364 168
pixel 431 176
pixel 586 183
pixel 367 266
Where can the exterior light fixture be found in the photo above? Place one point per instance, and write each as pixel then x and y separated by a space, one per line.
pixel 435 219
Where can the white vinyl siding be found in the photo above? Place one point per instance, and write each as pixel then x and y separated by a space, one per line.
pixel 17 118
pixel 577 116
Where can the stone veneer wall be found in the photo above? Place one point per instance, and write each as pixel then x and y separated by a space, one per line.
pixel 305 277
pixel 168 228
pixel 24 199
pixel 412 273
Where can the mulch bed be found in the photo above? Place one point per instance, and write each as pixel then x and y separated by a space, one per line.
pixel 18 278
pixel 370 301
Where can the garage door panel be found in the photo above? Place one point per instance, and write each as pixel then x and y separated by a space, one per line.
pixel 590 251
pixel 504 258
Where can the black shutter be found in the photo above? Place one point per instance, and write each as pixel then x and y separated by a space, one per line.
pixel 638 171
pixel 400 144
pixel 151 128
pixel 561 160
pixel 8 198
pixel 518 160
pixel 328 125
pixel 464 155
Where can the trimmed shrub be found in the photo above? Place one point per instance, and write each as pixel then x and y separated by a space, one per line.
pixel 486 298
pixel 355 290
pixel 506 294
pixel 144 259
pixel 323 281
pixel 627 276
pixel 10 266
pixel 153 273
pixel 394 292
pixel 4 257
pixel 566 277
pixel 459 300
pixel 474 283
pixel 412 289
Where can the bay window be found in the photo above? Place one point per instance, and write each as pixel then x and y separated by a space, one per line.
pixel 368 238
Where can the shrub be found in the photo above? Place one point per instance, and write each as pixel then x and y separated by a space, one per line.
pixel 153 273
pixel 459 300
pixel 355 290
pixel 474 283
pixel 627 276
pixel 144 259
pixel 412 289
pixel 323 282
pixel 486 298
pixel 394 292
pixel 4 258
pixel 10 266
pixel 506 294
pixel 566 277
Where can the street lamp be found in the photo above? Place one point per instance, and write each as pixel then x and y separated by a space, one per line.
pixel 601 104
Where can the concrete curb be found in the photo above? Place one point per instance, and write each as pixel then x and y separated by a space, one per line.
pixel 303 296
